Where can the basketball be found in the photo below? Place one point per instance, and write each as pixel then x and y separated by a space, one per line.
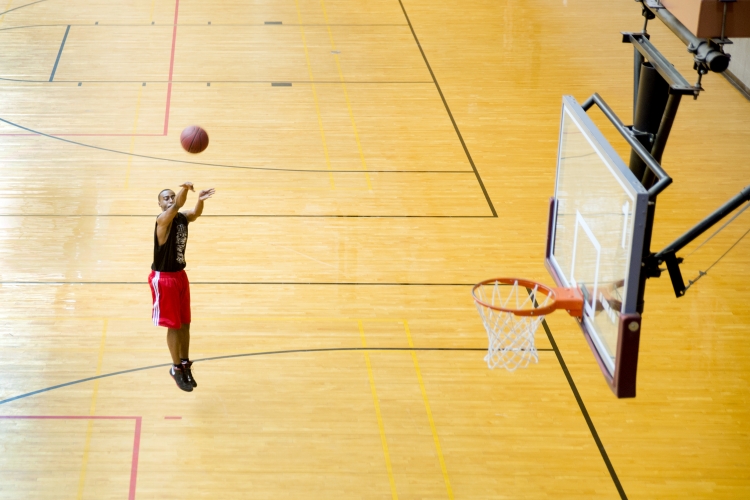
pixel 194 139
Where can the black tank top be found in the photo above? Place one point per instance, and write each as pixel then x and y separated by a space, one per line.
pixel 170 257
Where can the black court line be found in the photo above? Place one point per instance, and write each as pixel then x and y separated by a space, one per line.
pixel 450 115
pixel 22 6
pixel 279 216
pixel 236 82
pixel 219 165
pixel 314 283
pixel 247 355
pixel 585 412
pixel 59 54
pixel 131 25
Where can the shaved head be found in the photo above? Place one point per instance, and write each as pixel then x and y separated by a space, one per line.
pixel 161 192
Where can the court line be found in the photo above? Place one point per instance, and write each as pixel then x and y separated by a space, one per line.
pixel 149 25
pixel 92 411
pixel 281 216
pixel 232 283
pixel 256 319
pixel 59 54
pixel 21 7
pixel 171 67
pixel 169 82
pixel 450 115
pixel 435 437
pixel 376 403
pixel 219 165
pixel 2 16
pixel 86 135
pixel 584 411
pixel 315 96
pixel 231 356
pixel 136 437
pixel 346 96
pixel 202 82
pixel 134 462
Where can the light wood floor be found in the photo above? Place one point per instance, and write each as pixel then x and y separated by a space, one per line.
pixel 338 352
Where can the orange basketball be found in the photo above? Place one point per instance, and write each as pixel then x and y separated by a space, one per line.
pixel 194 139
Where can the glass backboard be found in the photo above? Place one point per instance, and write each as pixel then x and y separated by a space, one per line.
pixel 598 220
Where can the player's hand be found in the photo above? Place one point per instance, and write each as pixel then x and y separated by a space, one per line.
pixel 187 185
pixel 206 194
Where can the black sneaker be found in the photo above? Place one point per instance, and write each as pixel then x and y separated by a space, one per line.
pixel 189 373
pixel 178 374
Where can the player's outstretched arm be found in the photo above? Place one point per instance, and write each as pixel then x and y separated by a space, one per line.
pixel 198 210
pixel 165 219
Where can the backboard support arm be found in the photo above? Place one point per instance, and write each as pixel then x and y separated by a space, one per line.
pixel 669 257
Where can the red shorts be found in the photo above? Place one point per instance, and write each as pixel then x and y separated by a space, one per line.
pixel 171 298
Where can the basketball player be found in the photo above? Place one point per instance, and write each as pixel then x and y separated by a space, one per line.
pixel 170 289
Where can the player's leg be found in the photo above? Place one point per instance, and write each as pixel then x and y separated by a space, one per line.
pixel 184 344
pixel 177 371
pixel 187 365
pixel 174 344
pixel 185 316
pixel 166 312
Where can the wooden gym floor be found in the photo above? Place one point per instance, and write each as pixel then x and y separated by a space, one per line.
pixel 368 167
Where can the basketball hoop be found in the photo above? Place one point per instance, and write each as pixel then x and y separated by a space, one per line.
pixel 512 309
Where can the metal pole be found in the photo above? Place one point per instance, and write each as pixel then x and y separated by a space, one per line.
pixel 660 141
pixel 645 270
pixel 705 52
pixel 705 224
pixel 664 179
pixel 638 60
pixel 676 26
pixel 653 92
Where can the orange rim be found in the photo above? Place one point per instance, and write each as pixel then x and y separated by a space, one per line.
pixel 529 284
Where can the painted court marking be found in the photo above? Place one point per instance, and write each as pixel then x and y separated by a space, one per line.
pixel 136 437
pixel 171 67
pixel 59 54
pixel 376 404
pixel 169 86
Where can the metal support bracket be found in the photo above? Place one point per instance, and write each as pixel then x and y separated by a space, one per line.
pixel 708 54
pixel 673 266
pixel 677 83
pixel 668 255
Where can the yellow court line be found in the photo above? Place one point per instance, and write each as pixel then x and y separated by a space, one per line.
pixel 315 95
pixel 7 7
pixel 132 139
pixel 377 412
pixel 346 95
pixel 429 413
pixel 92 410
pixel 151 15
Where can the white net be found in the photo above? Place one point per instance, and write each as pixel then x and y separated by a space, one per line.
pixel 511 337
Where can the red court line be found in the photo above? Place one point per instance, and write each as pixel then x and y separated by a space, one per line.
pixel 169 95
pixel 136 452
pixel 136 438
pixel 171 67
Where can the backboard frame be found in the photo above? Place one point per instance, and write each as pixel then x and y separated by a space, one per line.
pixel 622 376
